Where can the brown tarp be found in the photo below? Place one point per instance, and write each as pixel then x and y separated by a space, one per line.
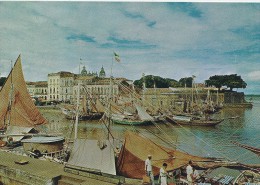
pixel 134 153
pixel 22 111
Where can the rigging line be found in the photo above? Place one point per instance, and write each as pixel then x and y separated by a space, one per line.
pixel 129 90
pixel 164 133
pixel 159 137
pixel 205 143
pixel 244 154
pixel 233 135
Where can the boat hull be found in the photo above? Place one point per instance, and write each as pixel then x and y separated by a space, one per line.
pixel 93 116
pixel 198 122
pixel 130 122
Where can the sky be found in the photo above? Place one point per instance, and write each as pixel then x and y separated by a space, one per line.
pixel 171 40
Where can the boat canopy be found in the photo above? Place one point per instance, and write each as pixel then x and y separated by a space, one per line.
pixel 43 139
pixel 90 154
pixel 17 132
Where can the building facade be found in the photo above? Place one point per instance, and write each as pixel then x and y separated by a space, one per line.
pixel 62 86
pixel 38 89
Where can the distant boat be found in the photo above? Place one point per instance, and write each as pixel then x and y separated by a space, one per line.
pixel 140 117
pixel 193 121
pixel 90 111
pixel 19 117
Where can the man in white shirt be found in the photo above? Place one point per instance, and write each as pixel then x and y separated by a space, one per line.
pixel 189 172
pixel 148 168
pixel 163 174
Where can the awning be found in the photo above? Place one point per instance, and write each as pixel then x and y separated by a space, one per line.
pixel 88 154
pixel 17 132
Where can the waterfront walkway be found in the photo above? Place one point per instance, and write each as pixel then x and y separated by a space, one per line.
pixel 40 172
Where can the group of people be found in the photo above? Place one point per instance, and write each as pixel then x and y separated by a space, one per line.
pixel 192 173
pixel 163 173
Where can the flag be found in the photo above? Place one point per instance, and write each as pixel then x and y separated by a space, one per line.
pixel 117 57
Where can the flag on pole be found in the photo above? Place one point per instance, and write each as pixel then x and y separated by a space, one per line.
pixel 117 57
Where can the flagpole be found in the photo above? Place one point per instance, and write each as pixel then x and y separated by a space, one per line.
pixel 110 97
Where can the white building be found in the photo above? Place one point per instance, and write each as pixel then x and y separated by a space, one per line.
pixel 38 89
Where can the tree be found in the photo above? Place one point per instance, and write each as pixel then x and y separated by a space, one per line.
pixel 187 81
pixel 234 81
pixel 155 81
pixel 216 80
pixel 231 81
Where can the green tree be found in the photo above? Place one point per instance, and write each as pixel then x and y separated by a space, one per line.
pixel 230 81
pixel 234 81
pixel 156 81
pixel 187 81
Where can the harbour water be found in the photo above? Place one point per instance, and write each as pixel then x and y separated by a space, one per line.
pixel 240 125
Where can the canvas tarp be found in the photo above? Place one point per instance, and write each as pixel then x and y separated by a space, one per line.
pixel 16 132
pixel 131 162
pixel 88 153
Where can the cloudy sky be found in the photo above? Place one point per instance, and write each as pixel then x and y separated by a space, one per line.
pixel 171 40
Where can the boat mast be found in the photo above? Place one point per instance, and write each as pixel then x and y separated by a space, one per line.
pixel 110 98
pixel 143 88
pixel 10 96
pixel 77 113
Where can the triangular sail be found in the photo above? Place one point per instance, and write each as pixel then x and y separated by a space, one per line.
pixel 143 115
pixel 17 107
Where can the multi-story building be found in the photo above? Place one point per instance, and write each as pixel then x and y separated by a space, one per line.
pixel 62 86
pixel 38 89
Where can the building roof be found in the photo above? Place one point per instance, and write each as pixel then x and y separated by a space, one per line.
pixel 62 74
pixel 38 84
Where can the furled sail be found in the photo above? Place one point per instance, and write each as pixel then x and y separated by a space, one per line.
pixel 17 107
pixel 134 153
pixel 143 115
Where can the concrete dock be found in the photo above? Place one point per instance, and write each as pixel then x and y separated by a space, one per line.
pixel 41 172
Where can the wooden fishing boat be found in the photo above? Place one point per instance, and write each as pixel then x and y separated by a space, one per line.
pixel 88 110
pixel 193 121
pixel 140 117
pixel 18 115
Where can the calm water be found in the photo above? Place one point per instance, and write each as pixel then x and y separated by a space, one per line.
pixel 202 141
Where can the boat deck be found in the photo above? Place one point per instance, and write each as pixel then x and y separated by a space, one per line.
pixel 39 171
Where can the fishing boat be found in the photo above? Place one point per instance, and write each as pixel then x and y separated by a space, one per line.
pixel 19 117
pixel 193 121
pixel 88 110
pixel 139 117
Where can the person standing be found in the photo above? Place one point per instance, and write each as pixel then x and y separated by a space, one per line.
pixel 189 172
pixel 163 174
pixel 149 169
